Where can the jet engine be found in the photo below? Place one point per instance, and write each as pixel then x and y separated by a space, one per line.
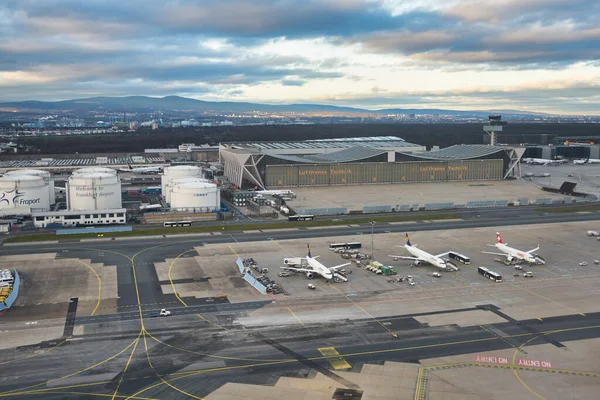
pixel 309 275
pixel 417 263
pixel 510 259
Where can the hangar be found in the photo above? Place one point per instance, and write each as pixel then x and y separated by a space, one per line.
pixel 359 161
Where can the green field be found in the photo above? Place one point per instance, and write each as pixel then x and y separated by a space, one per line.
pixel 232 228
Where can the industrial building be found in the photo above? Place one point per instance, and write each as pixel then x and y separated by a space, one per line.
pixel 185 189
pixel 22 194
pixel 93 191
pixel 355 161
pixel 569 150
pixel 79 218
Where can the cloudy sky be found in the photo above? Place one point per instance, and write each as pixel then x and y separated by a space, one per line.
pixel 537 55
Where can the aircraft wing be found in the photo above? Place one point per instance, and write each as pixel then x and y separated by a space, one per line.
pixel 406 258
pixel 532 250
pixel 339 266
pixel 497 254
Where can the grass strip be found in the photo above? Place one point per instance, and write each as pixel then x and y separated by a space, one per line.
pixel 232 228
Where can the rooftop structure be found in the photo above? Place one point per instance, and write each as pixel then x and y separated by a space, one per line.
pixel 69 164
pixel 325 145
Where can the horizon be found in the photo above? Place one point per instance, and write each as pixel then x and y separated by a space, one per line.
pixel 538 57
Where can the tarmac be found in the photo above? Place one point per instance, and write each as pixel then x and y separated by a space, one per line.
pixel 345 335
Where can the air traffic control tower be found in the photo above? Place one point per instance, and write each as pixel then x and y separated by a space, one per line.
pixel 494 125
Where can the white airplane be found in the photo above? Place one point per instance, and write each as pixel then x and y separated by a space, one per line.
pixel 421 256
pixel 541 161
pixel 315 267
pixel 142 170
pixel 580 162
pixel 593 161
pixel 512 254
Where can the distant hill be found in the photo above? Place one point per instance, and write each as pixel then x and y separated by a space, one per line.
pixel 183 104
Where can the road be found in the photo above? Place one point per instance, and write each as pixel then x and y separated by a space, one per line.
pixel 201 347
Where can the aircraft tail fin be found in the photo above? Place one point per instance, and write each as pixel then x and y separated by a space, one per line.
pixel 499 238
pixel 308 247
pixel 408 241
pixel 129 166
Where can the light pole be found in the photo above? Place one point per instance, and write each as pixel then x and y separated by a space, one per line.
pixel 372 226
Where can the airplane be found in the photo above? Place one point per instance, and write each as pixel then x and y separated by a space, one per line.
pixel 580 162
pixel 513 254
pixel 593 161
pixel 315 267
pixel 419 257
pixel 541 161
pixel 142 170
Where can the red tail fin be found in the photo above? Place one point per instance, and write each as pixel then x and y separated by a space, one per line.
pixel 499 238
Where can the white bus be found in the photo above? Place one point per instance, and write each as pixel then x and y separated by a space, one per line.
pixel 177 223
pixel 459 257
pixel 489 274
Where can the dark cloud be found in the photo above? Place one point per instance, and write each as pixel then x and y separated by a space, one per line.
pixel 107 47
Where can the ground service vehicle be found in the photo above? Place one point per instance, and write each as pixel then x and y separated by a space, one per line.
pixel 311 286
pixel 489 274
pixel 528 274
pixel 165 313
pixel 177 223
pixel 301 218
pixel 459 257
pixel 350 245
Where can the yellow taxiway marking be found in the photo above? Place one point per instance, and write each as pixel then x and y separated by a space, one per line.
pixel 333 357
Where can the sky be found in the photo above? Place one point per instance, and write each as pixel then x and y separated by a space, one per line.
pixel 531 55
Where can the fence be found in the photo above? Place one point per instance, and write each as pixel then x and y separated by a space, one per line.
pixel 377 209
pixel 94 230
pixel 321 211
pixel 257 285
pixel 438 206
pixel 240 265
pixel 9 301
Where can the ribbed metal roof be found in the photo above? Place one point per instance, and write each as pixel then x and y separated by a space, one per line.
pixel 460 152
pixel 374 141
pixel 341 156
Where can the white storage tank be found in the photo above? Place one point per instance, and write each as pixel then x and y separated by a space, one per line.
pixel 93 191
pixel 95 170
pixel 196 197
pixel 24 191
pixel 179 171
pixel 45 175
pixel 177 181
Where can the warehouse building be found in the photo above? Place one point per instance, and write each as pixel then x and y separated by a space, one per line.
pixel 362 161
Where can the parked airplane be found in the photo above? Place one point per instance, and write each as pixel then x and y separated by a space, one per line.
pixel 541 161
pixel 419 257
pixel 142 170
pixel 580 162
pixel 513 254
pixel 315 267
pixel 593 161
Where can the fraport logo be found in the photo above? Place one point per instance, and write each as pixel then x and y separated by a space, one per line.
pixel 15 197
pixel 29 202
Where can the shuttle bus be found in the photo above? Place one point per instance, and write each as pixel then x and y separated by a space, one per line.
pixel 177 223
pixel 489 274
pixel 301 218
pixel 459 257
pixel 350 245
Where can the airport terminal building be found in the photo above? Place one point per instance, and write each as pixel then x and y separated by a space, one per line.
pixel 358 161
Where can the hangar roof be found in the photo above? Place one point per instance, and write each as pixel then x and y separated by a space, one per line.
pixel 373 141
pixel 341 156
pixel 460 152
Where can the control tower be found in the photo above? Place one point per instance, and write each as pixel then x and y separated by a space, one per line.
pixel 494 125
